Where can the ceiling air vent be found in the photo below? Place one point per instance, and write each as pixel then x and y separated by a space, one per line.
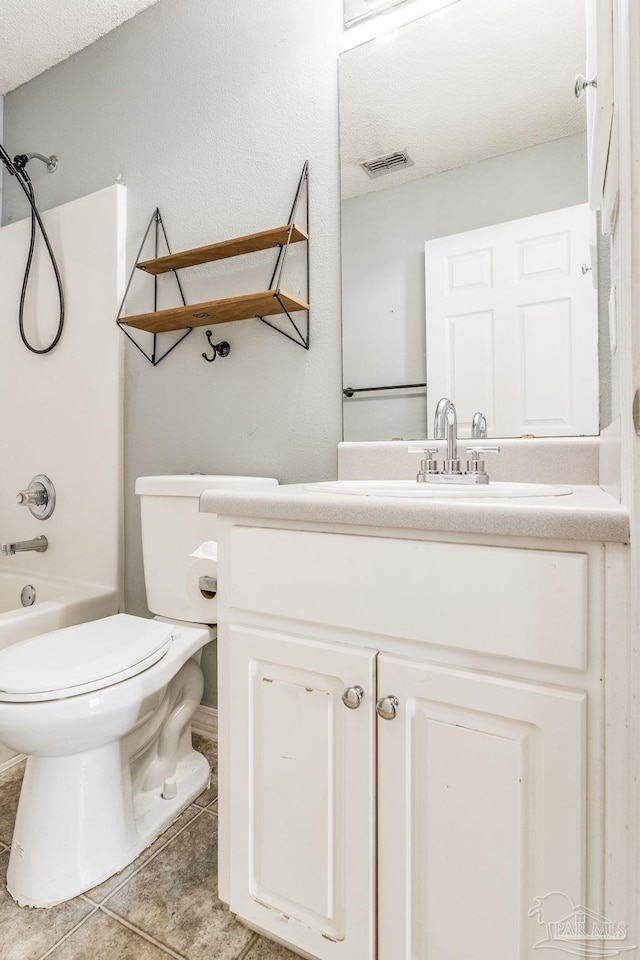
pixel 378 166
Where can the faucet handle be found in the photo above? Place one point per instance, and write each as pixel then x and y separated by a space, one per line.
pixel 479 450
pixel 475 465
pixel 427 465
pixel 431 451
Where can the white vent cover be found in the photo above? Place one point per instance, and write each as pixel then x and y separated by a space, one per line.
pixel 387 163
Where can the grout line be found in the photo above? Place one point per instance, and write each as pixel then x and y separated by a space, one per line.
pixel 70 932
pixel 248 948
pixel 142 933
pixel 150 859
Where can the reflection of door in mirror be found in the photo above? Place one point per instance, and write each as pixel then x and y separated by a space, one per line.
pixel 512 325
pixel 466 120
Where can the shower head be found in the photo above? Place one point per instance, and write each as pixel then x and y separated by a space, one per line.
pixel 22 159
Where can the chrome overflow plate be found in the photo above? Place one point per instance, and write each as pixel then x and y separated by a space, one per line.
pixel 28 595
pixel 39 497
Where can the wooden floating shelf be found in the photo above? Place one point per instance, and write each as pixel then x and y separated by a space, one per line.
pixel 252 243
pixel 263 304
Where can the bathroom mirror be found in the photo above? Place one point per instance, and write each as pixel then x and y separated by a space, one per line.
pixel 356 10
pixel 472 265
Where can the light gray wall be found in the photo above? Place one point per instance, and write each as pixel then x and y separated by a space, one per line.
pixel 383 237
pixel 209 110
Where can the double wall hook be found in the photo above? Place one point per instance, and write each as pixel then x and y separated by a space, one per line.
pixel 221 349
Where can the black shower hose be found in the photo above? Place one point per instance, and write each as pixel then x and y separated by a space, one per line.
pixel 17 169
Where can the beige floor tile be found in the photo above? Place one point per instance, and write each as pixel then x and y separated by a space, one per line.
pixel 100 893
pixel 210 750
pixel 268 950
pixel 174 898
pixel 26 934
pixel 10 785
pixel 102 936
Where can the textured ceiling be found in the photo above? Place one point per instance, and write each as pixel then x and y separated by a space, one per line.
pixel 36 34
pixel 476 80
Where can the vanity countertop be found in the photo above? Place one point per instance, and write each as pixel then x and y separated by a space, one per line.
pixel 587 513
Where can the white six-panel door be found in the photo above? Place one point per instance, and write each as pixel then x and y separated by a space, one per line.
pixel 302 780
pixel 481 808
pixel 512 326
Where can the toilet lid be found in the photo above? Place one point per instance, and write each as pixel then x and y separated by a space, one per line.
pixel 83 657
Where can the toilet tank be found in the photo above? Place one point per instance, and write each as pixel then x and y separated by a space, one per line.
pixel 172 528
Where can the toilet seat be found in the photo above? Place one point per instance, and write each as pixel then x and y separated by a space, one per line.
pixel 82 658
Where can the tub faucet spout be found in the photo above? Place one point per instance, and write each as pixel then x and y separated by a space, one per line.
pixel 38 544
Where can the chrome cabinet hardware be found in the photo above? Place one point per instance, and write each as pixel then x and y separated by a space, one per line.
pixel 353 697
pixel 387 708
pixel 39 497
pixel 582 83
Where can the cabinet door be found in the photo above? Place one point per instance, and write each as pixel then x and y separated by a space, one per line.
pixel 481 809
pixel 302 792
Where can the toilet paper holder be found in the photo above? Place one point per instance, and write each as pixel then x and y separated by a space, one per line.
pixel 208 587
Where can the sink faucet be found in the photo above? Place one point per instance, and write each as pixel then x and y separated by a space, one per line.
pixel 479 426
pixel 445 427
pixel 38 544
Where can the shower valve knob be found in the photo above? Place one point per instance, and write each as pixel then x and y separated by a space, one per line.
pixel 39 497
pixel 28 498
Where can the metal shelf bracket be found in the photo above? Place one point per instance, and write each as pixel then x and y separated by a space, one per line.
pixel 154 359
pixel 302 339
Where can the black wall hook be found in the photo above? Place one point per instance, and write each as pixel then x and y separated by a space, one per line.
pixel 221 349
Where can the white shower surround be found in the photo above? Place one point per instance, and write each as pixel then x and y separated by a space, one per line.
pixel 62 416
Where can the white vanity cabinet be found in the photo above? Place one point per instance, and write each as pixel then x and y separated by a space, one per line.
pixel 302 791
pixel 426 827
pixel 480 808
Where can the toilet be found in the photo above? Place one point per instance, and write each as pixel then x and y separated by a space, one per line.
pixel 103 709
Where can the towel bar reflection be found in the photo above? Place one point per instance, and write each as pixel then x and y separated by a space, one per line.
pixel 349 391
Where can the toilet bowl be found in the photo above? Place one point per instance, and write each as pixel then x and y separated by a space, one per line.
pixel 103 712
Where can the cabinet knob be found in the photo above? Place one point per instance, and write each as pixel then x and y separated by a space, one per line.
pixel 353 697
pixel 387 708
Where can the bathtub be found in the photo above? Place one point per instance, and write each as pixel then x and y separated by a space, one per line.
pixel 58 603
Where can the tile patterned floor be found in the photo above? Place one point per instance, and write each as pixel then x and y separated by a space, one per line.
pixel 163 905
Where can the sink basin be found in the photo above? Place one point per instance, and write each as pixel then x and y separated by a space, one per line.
pixel 410 488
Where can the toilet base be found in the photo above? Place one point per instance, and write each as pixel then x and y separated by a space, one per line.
pixel 43 874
